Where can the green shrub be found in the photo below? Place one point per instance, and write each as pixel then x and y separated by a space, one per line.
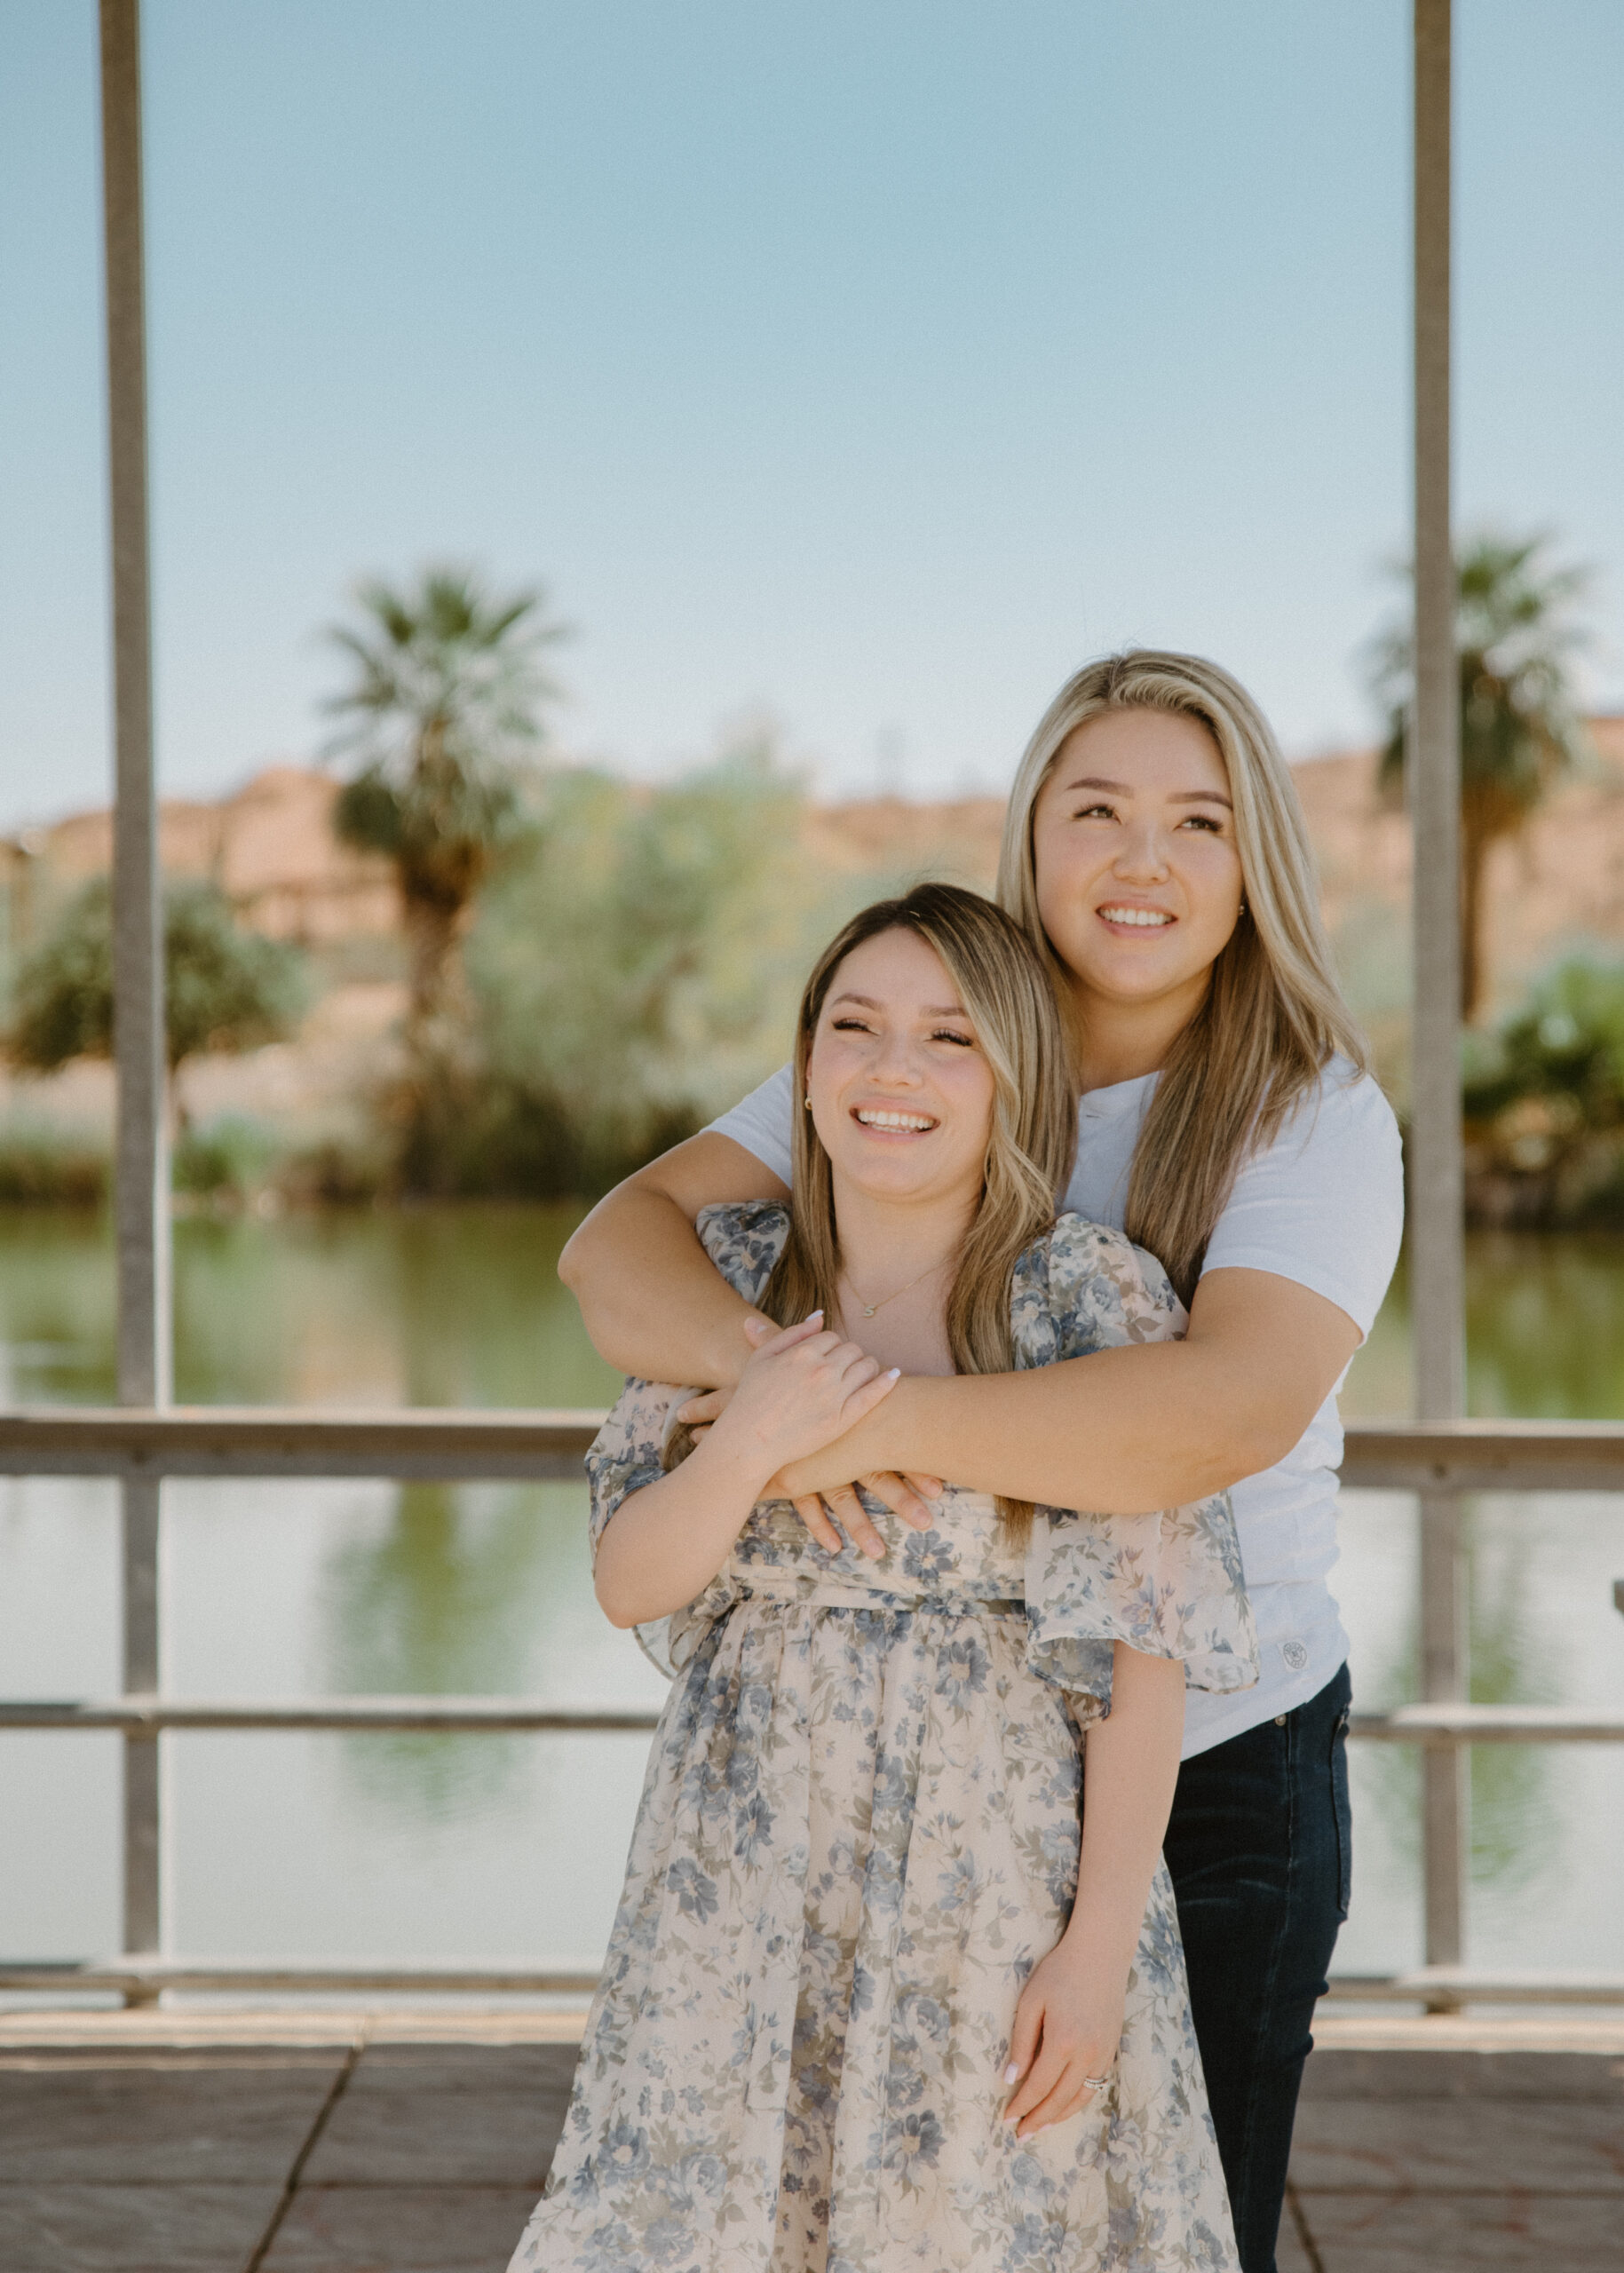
pixel 232 1157
pixel 515 1142
pixel 338 1172
pixel 632 971
pixel 1566 1042
pixel 225 987
pixel 42 1166
pixel 1544 1105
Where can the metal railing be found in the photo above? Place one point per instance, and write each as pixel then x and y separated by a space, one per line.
pixel 1437 1461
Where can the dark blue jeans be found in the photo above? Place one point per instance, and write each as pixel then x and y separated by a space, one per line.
pixel 1259 1849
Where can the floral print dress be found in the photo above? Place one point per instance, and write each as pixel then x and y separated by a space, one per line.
pixel 858 1835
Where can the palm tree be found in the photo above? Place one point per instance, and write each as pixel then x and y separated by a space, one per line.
pixel 442 725
pixel 1520 729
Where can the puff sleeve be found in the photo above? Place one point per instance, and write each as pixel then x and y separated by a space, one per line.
pixel 629 1450
pixel 1169 1583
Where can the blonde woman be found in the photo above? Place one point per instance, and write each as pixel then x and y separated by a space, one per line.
pixel 1155 853
pixel 870 2002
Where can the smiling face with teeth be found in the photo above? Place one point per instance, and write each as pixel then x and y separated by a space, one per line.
pixel 1138 879
pixel 901 1094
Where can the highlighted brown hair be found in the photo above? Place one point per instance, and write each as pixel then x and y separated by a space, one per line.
pixel 1009 1000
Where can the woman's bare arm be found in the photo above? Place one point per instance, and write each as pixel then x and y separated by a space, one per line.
pixel 653 1301
pixel 1120 1432
pixel 1069 2021
pixel 655 1304
pixel 664 1543
pixel 1124 1431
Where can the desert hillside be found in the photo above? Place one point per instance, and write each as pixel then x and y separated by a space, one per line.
pixel 1561 886
pixel 270 846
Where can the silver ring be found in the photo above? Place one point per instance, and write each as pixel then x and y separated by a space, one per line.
pixel 1095 2083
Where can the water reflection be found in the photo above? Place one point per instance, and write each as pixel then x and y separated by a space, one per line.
pixel 450 1600
pixel 1514 1659
pixel 55 1309
pixel 1546 1326
pixel 1545 1332
pixel 449 1306
pixel 499 1844
pixel 463 1306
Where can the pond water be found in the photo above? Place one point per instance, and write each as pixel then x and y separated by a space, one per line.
pixel 513 1847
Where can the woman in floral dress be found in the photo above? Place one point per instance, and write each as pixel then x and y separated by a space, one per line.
pixel 880 1992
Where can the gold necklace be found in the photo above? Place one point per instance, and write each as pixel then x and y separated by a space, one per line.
pixel 869 1309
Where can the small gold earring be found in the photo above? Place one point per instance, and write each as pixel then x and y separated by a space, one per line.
pixel 806 1100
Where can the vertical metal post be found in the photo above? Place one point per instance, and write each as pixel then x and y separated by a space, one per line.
pixel 1435 1183
pixel 143 1812
pixel 141 1167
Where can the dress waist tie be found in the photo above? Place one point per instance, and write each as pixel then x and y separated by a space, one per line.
pixel 768 1585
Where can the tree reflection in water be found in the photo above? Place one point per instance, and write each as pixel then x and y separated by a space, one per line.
pixel 452 1599
pixel 1545 1325
pixel 1515 1659
pixel 1545 1330
pixel 468 1578
pixel 484 1587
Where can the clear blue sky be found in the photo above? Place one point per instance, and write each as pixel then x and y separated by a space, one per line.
pixel 867 364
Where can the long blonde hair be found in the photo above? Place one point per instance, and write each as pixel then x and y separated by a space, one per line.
pixel 1273 1015
pixel 1007 996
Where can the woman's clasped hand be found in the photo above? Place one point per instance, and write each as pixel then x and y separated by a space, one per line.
pixel 801 1387
pixel 910 1498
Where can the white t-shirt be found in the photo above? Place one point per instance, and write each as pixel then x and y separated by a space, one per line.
pixel 1324 1205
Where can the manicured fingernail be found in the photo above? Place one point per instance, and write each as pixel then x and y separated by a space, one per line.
pixel 1010 2074
pixel 812 1314
pixel 895 1374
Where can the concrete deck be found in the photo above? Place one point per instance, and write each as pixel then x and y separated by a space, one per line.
pixel 332 2143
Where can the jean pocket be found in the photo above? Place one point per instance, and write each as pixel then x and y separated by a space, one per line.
pixel 1342 1813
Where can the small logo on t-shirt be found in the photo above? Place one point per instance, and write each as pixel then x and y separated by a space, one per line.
pixel 1296 1654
